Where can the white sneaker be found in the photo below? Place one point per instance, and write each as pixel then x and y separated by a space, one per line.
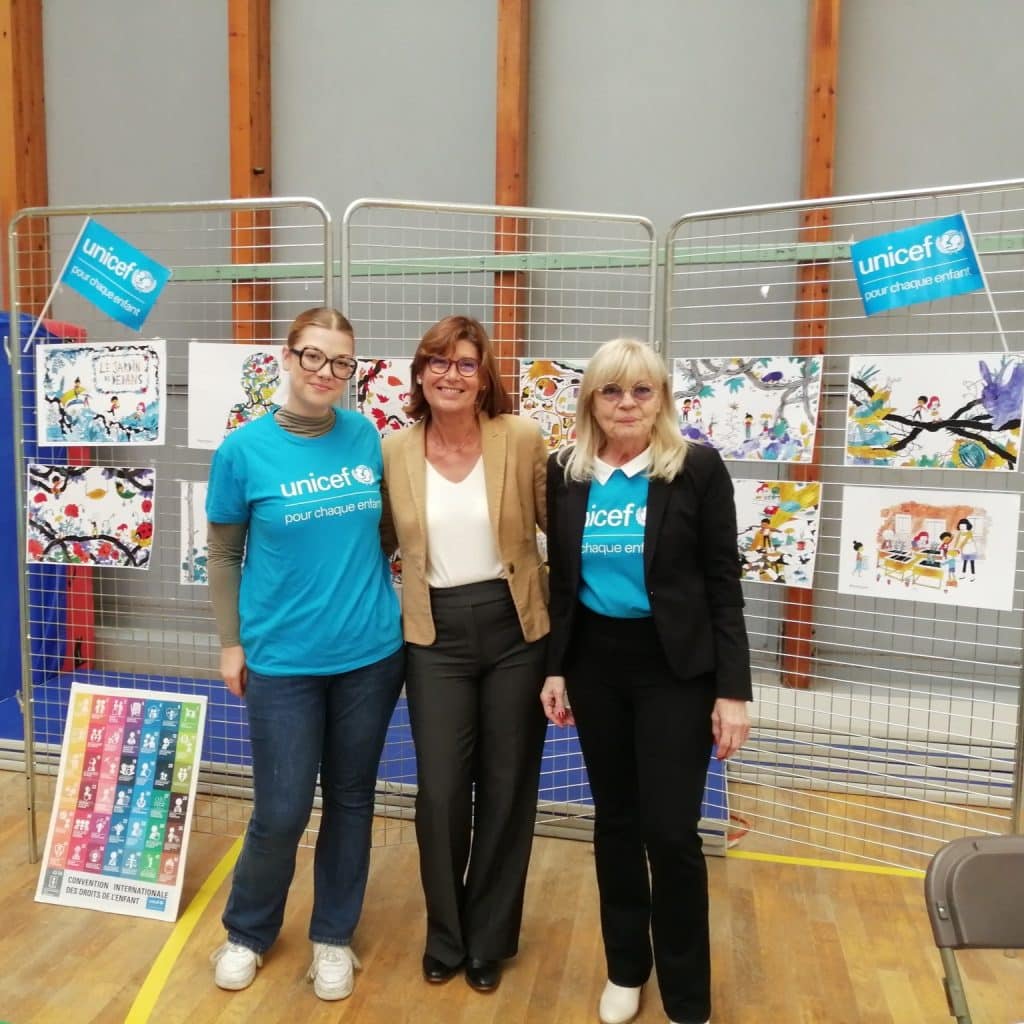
pixel 236 966
pixel 332 970
pixel 618 1004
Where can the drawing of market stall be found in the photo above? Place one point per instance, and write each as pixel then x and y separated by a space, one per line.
pixel 954 547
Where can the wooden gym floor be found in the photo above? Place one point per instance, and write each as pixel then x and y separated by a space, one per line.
pixel 792 943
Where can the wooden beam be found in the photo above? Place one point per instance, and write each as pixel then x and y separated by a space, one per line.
pixel 510 179
pixel 812 301
pixel 249 113
pixel 23 179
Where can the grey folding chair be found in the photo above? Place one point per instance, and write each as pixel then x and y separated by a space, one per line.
pixel 975 894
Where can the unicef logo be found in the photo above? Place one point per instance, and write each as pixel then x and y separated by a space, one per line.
pixel 363 474
pixel 641 516
pixel 950 242
pixel 143 281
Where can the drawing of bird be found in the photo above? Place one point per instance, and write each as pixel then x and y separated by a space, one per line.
pixel 772 378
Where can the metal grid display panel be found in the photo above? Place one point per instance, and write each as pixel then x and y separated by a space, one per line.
pixel 907 734
pixel 579 279
pixel 559 284
pixel 241 271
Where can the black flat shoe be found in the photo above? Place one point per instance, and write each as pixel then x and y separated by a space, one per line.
pixel 483 975
pixel 437 971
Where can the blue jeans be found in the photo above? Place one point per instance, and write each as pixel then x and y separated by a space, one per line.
pixel 299 725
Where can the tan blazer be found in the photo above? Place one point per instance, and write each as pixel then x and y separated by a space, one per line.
pixel 515 461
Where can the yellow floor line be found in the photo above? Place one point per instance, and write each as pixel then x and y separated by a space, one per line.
pixel 164 963
pixel 834 865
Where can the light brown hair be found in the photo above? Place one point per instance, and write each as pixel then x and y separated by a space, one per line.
pixel 320 316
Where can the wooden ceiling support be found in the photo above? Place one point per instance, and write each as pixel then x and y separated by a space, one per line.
pixel 250 149
pixel 513 123
pixel 812 301
pixel 23 177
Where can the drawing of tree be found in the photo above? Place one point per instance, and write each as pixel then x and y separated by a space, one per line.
pixel 994 410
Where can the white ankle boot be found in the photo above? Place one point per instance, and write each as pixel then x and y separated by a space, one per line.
pixel 619 1004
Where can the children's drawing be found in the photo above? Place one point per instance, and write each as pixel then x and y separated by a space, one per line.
pixel 195 552
pixel 230 386
pixel 945 547
pixel 751 408
pixel 90 515
pixel 383 388
pixel 778 530
pixel 395 568
pixel 101 393
pixel 936 411
pixel 548 390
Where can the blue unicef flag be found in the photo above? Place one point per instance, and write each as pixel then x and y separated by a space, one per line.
pixel 918 264
pixel 115 276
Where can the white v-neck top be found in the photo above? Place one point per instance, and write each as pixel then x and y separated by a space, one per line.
pixel 460 541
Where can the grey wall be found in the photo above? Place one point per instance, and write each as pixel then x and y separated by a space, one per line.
pixel 930 93
pixel 385 98
pixel 654 108
pixel 136 101
pixel 663 108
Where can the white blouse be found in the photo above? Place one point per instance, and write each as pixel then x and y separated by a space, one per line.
pixel 460 541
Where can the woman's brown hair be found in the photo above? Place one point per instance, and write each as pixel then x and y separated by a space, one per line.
pixel 440 340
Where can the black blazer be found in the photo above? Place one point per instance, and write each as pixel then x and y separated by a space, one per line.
pixel 691 568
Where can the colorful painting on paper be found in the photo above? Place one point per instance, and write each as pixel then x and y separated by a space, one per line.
pixel 778 530
pixel 936 411
pixel 230 386
pixel 122 809
pixel 101 393
pixel 548 390
pixel 383 387
pixel 945 547
pixel 195 551
pixel 90 515
pixel 751 408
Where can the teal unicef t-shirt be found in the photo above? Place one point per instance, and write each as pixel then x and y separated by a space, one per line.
pixel 316 595
pixel 612 564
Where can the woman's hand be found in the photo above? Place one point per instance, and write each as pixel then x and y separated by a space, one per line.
pixel 730 726
pixel 553 700
pixel 232 669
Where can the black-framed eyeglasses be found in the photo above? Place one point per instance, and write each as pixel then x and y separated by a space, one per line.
pixel 615 393
pixel 312 359
pixel 466 367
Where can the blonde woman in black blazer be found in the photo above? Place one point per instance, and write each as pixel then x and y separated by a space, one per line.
pixel 648 639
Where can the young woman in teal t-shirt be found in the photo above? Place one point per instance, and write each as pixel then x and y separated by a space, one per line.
pixel 311 641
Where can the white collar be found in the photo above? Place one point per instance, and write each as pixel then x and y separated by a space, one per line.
pixel 637 464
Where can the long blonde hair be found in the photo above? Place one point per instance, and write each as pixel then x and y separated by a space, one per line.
pixel 625 361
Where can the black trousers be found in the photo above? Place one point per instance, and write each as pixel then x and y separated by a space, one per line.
pixel 646 739
pixel 477 723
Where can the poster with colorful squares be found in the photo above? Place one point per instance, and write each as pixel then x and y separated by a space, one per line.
pixel 119 829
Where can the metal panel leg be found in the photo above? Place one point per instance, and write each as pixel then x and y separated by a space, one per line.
pixel 955 995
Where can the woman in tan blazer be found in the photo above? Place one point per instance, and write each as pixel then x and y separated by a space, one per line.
pixel 466 487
